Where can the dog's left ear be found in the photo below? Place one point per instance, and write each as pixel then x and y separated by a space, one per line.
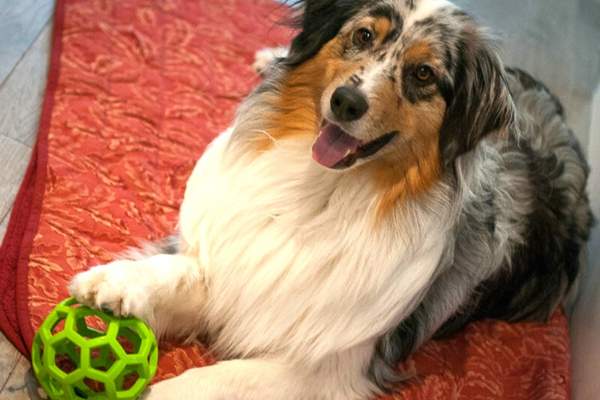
pixel 480 102
pixel 319 21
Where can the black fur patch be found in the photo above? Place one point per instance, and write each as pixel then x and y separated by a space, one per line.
pixel 170 245
pixel 391 350
pixel 387 11
pixel 544 267
pixel 481 101
pixel 320 22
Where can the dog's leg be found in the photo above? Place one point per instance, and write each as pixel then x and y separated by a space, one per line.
pixel 251 379
pixel 336 378
pixel 166 290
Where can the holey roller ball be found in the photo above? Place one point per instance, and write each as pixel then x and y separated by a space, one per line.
pixel 81 353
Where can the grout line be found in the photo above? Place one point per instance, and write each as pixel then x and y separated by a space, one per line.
pixel 44 25
pixel 12 372
pixel 5 216
pixel 18 185
pixel 17 141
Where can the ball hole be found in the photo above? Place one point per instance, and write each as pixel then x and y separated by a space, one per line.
pixel 66 357
pixel 102 357
pixel 79 393
pixel 96 323
pixel 59 326
pixel 129 340
pixel 91 326
pixel 65 363
pixel 130 379
pixel 94 385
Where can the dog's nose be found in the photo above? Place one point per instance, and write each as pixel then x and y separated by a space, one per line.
pixel 348 103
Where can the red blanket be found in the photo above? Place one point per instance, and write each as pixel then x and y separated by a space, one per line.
pixel 136 90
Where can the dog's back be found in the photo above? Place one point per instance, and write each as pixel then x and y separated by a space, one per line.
pixel 525 218
pixel 545 152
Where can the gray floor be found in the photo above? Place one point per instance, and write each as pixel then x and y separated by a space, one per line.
pixel 556 40
pixel 24 48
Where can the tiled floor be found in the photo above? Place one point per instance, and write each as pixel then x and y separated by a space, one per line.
pixel 557 40
pixel 24 47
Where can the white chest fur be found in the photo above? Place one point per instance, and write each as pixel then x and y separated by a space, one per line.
pixel 294 258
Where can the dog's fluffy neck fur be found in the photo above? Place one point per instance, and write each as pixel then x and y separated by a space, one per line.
pixel 284 240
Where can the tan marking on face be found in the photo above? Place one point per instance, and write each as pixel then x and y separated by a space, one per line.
pixel 382 26
pixel 418 53
pixel 413 165
pixel 297 108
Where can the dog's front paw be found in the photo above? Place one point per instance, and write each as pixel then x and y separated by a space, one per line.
pixel 117 287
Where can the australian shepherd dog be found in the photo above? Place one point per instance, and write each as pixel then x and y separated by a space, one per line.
pixel 388 182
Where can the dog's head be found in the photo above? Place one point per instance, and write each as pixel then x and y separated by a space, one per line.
pixel 411 84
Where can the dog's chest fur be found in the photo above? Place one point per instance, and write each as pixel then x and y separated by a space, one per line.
pixel 287 245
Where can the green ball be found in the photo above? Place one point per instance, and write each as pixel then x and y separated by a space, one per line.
pixel 81 353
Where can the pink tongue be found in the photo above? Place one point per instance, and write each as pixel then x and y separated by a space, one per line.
pixel 333 145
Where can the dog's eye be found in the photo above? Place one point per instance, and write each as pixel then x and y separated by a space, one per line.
pixel 363 38
pixel 424 73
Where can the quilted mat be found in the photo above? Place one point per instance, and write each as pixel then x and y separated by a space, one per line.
pixel 136 90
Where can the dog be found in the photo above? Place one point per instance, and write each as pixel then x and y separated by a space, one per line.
pixel 389 182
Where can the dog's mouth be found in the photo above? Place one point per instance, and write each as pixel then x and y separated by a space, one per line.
pixel 337 149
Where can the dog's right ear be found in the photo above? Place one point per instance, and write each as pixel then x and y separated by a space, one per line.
pixel 319 21
pixel 481 101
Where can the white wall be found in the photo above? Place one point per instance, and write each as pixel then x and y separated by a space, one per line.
pixel 594 158
pixel 585 323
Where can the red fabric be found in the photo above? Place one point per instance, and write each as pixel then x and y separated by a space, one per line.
pixel 136 90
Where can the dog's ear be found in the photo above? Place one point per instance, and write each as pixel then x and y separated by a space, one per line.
pixel 319 21
pixel 480 102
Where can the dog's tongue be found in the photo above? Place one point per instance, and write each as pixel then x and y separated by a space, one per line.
pixel 333 145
